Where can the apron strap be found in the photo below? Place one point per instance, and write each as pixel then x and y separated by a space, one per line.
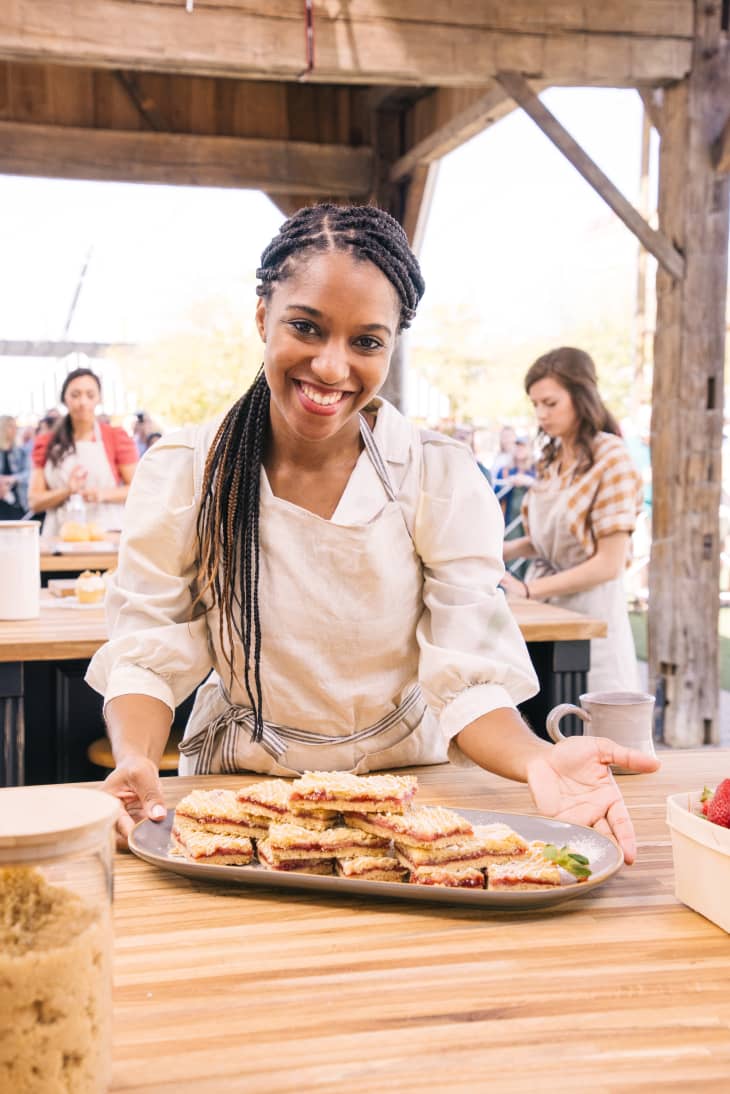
pixel 376 458
pixel 276 738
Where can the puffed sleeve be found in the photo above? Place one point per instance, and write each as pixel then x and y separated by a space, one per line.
pixel 618 497
pixel 155 645
pixel 473 658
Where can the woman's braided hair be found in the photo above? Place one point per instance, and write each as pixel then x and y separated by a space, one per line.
pixel 228 521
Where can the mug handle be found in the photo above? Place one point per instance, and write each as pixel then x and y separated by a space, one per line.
pixel 553 718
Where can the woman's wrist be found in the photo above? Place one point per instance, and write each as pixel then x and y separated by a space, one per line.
pixel 526 587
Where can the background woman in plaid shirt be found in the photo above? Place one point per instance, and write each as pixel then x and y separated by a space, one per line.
pixel 581 511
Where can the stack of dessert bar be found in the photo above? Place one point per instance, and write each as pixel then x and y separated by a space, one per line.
pixel 363 827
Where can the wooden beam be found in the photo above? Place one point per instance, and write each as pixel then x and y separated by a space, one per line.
pixel 655 242
pixel 459 126
pixel 421 187
pixel 364 41
pixel 653 100
pixel 688 400
pixel 720 151
pixel 57 349
pixel 271 165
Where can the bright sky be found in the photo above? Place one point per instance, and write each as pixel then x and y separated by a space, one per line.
pixel 515 237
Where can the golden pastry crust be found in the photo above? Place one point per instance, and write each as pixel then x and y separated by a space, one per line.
pixel 370 868
pixel 346 792
pixel 465 877
pixel 420 826
pixel 213 849
pixel 218 811
pixel 529 872
pixel 490 843
pixel 292 841
pixel 269 798
pixel 271 861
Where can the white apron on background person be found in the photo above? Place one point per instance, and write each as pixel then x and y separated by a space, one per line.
pixel 91 455
pixel 613 658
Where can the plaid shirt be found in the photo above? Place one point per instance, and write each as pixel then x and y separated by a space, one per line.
pixel 605 499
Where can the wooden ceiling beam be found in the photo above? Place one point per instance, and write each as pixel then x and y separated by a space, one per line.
pixel 276 166
pixel 654 241
pixel 57 349
pixel 448 126
pixel 458 44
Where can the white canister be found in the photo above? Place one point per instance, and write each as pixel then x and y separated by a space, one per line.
pixel 20 569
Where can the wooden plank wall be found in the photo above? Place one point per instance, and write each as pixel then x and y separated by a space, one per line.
pixel 96 98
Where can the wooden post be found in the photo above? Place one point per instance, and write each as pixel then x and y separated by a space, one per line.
pixel 640 332
pixel 688 396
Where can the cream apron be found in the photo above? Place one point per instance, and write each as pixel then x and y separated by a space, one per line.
pixel 613 658
pixel 91 455
pixel 337 604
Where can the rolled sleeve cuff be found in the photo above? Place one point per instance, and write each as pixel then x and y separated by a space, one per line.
pixel 466 707
pixel 132 680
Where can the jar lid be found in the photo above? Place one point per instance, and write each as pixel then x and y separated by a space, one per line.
pixel 53 820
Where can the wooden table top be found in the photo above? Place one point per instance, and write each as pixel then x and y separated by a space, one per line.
pixel 77 561
pixel 63 633
pixel 223 989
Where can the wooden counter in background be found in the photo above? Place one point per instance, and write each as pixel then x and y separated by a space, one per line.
pixel 219 988
pixel 67 632
pixel 78 561
pixel 43 695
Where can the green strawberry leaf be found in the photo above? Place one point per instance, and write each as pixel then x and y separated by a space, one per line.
pixel 707 794
pixel 575 864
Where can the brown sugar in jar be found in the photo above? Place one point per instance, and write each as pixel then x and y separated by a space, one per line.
pixel 55 940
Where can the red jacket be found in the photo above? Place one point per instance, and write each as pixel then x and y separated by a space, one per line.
pixel 119 447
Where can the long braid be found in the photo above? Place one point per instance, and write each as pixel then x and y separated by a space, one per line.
pixel 228 521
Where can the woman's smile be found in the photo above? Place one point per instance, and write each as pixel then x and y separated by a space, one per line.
pixel 317 399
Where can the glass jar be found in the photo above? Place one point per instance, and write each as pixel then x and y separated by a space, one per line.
pixel 20 569
pixel 74 520
pixel 56 854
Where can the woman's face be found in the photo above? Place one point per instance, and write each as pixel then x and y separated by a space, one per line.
pixel 329 331
pixel 554 408
pixel 82 398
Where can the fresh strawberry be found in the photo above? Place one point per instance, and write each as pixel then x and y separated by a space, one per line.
pixel 718 809
pixel 706 797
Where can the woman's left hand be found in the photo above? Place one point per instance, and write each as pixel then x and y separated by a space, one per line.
pixel 513 586
pixel 573 782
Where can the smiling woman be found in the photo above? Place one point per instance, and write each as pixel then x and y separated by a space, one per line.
pixel 332 571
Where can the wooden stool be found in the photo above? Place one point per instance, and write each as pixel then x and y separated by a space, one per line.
pixel 99 752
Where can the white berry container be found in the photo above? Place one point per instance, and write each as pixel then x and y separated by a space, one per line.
pixel 701 853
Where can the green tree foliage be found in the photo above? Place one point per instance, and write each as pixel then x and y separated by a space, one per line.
pixel 199 370
pixel 483 375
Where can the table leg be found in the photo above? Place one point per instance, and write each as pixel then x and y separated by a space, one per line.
pixel 12 720
pixel 562 669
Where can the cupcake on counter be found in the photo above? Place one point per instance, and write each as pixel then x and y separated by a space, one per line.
pixel 90 587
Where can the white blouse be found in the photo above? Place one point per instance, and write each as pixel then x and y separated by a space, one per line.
pixel 466 649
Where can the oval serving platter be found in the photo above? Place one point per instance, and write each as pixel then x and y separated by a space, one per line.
pixel 150 840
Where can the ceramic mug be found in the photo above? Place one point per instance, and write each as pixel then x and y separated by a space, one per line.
pixel 626 717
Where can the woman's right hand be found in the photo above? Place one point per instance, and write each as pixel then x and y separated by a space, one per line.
pixel 136 782
pixel 77 479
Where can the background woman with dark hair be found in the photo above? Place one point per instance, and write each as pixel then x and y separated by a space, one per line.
pixel 82 456
pixel 338 570
pixel 581 511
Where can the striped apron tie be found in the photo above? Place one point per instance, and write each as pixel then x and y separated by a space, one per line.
pixel 223 731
